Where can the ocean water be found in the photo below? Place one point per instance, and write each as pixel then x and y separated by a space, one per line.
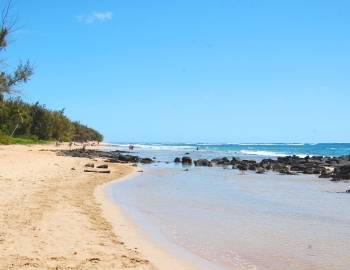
pixel 221 219
pixel 245 149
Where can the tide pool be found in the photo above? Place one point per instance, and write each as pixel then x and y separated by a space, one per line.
pixel 241 221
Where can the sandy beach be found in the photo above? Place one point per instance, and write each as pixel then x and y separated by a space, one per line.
pixel 56 216
pixel 50 218
pixel 174 135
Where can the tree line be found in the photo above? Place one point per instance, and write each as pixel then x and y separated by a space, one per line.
pixel 18 118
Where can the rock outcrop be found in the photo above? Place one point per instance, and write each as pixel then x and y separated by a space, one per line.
pixel 334 168
pixel 186 160
pixel 202 162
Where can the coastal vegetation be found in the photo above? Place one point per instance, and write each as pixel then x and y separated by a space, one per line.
pixel 25 123
pixel 35 123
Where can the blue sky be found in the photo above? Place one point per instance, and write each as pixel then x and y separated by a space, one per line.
pixel 190 71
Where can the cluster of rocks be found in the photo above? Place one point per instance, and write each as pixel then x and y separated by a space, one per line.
pixel 335 168
pixel 89 153
pixel 109 156
pixel 90 167
pixel 325 167
pixel 129 159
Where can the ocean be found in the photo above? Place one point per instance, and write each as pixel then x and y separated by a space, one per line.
pixel 254 150
pixel 219 218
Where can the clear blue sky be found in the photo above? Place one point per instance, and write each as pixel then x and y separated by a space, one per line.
pixel 190 71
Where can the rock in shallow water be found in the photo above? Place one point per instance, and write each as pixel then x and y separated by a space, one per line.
pixel 260 170
pixel 335 168
pixel 202 162
pixel 146 160
pixel 186 160
pixel 342 173
pixel 221 161
pixel 242 166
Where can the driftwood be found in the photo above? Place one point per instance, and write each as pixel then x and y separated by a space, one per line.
pixel 90 165
pixel 105 171
pixel 97 171
pixel 104 166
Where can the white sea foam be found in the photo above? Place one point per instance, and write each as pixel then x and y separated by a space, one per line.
pixel 267 153
pixel 156 147
pixel 272 144
pixel 188 147
pixel 262 153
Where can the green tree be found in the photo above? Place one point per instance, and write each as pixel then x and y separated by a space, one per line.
pixel 64 129
pixel 9 80
pixel 18 118
pixel 42 124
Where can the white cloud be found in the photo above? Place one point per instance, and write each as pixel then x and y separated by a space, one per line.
pixel 95 17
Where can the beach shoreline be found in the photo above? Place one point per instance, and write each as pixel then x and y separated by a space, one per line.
pixel 49 216
pixel 132 235
pixel 239 221
pixel 54 215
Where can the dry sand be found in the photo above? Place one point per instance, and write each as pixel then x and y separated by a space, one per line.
pixel 53 217
pixel 49 217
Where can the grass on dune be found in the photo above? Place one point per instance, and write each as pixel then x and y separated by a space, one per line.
pixel 21 140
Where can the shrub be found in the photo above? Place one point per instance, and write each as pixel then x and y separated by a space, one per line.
pixel 36 122
pixel 4 139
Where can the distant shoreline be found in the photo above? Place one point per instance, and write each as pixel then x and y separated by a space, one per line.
pixel 327 167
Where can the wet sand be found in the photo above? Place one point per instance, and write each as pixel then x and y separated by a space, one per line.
pixel 132 235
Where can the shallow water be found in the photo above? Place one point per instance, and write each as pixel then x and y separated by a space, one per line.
pixel 237 221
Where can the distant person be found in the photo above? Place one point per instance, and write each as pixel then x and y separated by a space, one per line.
pixel 131 147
